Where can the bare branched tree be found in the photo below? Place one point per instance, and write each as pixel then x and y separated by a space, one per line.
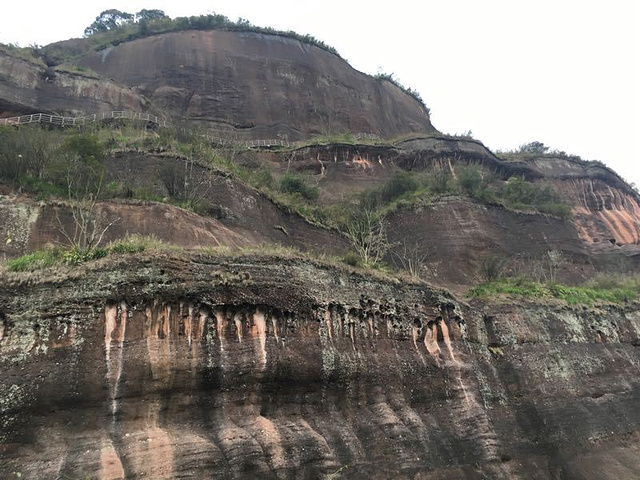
pixel 186 182
pixel 411 258
pixel 367 233
pixel 555 261
pixel 89 226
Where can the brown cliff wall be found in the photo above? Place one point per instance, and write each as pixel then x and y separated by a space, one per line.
pixel 602 212
pixel 263 85
pixel 24 89
pixel 238 368
pixel 27 226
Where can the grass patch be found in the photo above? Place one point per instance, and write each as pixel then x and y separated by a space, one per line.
pixel 77 70
pixel 581 295
pixel 29 54
pixel 35 261
pixel 52 257
pixel 344 139
pixel 136 243
pixel 149 245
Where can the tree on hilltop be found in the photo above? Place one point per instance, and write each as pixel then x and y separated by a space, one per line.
pixel 108 20
pixel 145 15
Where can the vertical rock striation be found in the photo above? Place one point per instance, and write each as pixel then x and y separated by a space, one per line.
pixel 201 367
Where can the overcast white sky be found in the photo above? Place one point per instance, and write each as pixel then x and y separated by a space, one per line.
pixel 563 72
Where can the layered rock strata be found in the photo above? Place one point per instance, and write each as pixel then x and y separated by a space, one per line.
pixel 259 86
pixel 199 366
pixel 27 87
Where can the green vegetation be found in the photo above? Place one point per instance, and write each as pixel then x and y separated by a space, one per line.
pixel 583 295
pixel 536 150
pixel 52 257
pixel 401 183
pixel 519 194
pixel 411 188
pixel 35 261
pixel 347 139
pixel 77 70
pixel 389 77
pixel 612 281
pixel 30 54
pixel 72 256
pixel 70 164
pixel 137 244
pixel 113 27
pixel 109 20
pixel 294 184
pixel 49 162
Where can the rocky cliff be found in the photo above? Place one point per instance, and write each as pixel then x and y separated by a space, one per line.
pixel 205 359
pixel 199 366
pixel 27 87
pixel 259 85
pixel 452 231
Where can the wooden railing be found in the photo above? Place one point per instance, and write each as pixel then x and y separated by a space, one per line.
pixel 74 121
pixel 135 116
pixel 218 137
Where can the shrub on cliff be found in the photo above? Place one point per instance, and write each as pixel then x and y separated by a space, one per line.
pixel 533 147
pixel 471 181
pixel 294 184
pixel 27 152
pixel 520 194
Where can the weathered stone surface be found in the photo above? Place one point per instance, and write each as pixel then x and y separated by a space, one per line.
pixel 196 366
pixel 258 85
pixel 235 367
pixel 24 88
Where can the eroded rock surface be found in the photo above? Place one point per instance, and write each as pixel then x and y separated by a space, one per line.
pixel 208 367
pixel 28 88
pixel 260 86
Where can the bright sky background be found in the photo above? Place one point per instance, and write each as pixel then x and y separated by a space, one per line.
pixel 563 72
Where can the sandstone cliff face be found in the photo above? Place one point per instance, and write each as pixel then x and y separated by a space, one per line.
pixel 24 89
pixel 188 365
pixel 454 233
pixel 602 212
pixel 257 85
pixel 207 367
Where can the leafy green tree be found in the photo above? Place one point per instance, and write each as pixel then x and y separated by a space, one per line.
pixel 108 20
pixel 145 15
pixel 86 147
